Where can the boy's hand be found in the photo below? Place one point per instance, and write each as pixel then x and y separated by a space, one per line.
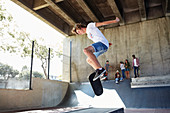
pixel 117 19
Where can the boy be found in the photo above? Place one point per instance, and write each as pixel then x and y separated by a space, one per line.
pixel 107 66
pixel 118 77
pixel 99 46
pixel 135 65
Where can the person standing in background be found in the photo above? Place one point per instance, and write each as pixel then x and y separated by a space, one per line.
pixel 107 66
pixel 122 67
pixel 127 68
pixel 135 65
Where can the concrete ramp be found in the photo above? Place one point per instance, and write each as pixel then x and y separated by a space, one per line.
pixel 81 94
pixel 117 96
pixel 80 98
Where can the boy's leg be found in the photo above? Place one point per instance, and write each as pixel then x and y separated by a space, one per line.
pixel 121 78
pixel 92 52
pixel 117 80
pixel 123 73
pixel 134 71
pixel 92 60
pixel 137 69
pixel 128 74
pixel 107 75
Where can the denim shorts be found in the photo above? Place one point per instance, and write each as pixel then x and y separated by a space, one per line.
pixel 127 69
pixel 99 48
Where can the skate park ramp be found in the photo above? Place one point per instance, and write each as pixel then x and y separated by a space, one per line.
pixel 80 98
pixel 81 94
pixel 117 96
pixel 115 99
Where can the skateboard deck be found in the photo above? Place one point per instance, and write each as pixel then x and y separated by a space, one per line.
pixel 96 85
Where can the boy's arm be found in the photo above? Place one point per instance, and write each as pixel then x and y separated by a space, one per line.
pixel 115 75
pixel 98 24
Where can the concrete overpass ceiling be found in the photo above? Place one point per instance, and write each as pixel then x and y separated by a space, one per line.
pixel 154 8
pixel 63 14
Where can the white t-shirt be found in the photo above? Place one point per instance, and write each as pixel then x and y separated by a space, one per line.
pixel 94 34
pixel 122 66
pixel 135 63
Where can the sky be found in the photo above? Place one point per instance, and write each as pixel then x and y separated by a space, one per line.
pixel 37 28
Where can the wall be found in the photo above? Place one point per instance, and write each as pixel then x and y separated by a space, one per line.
pixel 45 93
pixel 148 40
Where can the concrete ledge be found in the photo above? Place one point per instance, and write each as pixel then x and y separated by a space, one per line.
pixel 45 93
pixel 153 81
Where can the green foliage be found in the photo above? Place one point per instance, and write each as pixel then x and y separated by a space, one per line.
pixel 37 74
pixel 25 73
pixel 2 14
pixel 7 71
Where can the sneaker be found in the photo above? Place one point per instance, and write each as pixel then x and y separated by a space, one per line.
pixel 99 73
pixel 121 79
pixel 103 78
pixel 117 82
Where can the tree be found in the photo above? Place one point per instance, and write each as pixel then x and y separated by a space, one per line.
pixel 13 40
pixel 25 73
pixel 41 52
pixel 10 35
pixel 37 74
pixel 7 72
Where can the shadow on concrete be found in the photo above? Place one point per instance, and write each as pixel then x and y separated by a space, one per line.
pixel 71 99
pixel 157 97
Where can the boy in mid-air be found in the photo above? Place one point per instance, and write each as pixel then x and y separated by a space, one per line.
pixel 99 46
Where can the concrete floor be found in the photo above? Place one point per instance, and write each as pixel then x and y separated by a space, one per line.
pixel 147 111
pixel 152 98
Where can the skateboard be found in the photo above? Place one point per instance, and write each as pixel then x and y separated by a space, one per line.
pixel 96 85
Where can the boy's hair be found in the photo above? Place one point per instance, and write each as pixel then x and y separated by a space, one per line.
pixel 107 60
pixel 77 26
pixel 133 56
pixel 121 62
